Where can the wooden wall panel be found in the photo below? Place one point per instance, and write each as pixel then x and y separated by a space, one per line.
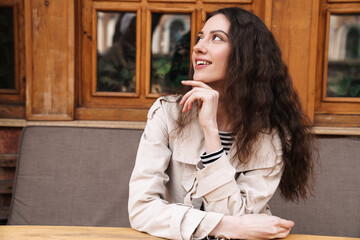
pixel 49 33
pixel 294 24
pixel 9 144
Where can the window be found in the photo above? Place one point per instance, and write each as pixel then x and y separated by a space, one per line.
pixel 12 68
pixel 352 42
pixel 116 52
pixel 131 52
pixel 7 50
pixel 170 51
pixel 343 75
pixel 338 82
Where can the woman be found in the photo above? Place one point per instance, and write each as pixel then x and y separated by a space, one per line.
pixel 210 159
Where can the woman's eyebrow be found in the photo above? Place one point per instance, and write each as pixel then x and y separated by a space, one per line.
pixel 214 31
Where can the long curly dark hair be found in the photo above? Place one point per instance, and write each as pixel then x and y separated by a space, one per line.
pixel 259 96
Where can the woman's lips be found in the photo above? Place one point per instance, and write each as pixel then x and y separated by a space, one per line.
pixel 201 66
pixel 201 63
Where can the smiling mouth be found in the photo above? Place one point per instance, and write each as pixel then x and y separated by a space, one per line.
pixel 201 62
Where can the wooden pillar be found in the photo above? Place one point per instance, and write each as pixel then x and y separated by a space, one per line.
pixel 294 24
pixel 50 56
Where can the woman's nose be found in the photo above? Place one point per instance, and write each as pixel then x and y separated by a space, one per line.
pixel 199 47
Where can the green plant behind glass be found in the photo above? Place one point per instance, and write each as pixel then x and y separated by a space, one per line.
pixel 344 78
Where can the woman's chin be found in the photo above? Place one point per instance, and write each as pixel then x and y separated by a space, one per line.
pixel 201 78
pixel 196 78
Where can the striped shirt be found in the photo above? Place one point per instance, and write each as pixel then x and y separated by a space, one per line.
pixel 226 140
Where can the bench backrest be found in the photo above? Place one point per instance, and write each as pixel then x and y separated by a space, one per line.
pixel 73 176
pixel 335 208
pixel 79 176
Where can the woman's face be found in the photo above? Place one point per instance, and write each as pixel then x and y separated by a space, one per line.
pixel 211 52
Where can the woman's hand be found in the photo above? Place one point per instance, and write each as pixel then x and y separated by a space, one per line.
pixel 253 226
pixel 207 99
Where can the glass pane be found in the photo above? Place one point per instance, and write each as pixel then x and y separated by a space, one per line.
pixel 116 51
pixel 7 52
pixel 170 50
pixel 343 78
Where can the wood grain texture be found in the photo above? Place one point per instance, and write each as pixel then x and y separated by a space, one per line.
pixel 49 30
pixel 6 186
pixel 9 140
pixel 102 233
pixel 8 160
pixel 291 24
pixel 76 123
pixel 298 25
pixel 70 232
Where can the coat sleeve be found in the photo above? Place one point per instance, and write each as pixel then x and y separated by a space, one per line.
pixel 250 191
pixel 148 210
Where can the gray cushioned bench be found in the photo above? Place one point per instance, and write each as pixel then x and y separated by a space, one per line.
pixel 335 208
pixel 79 176
pixel 73 176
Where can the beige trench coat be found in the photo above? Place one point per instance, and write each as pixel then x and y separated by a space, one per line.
pixel 167 188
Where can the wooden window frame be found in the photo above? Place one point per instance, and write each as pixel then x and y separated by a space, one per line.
pixel 333 111
pixel 343 1
pixel 12 101
pixel 92 105
pixel 324 98
pixel 229 1
pixel 104 106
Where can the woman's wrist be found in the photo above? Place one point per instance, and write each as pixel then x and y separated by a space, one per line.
pixel 225 228
pixel 252 226
pixel 212 139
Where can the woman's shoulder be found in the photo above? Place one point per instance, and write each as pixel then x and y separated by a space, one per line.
pixel 169 104
pixel 267 152
pixel 271 138
pixel 268 146
pixel 169 99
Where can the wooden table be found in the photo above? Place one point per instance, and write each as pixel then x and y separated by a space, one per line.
pixel 313 237
pixel 101 233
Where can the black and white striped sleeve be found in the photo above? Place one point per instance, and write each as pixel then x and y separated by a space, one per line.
pixel 211 157
pixel 226 140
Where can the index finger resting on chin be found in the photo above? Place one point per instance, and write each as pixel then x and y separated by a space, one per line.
pixel 194 83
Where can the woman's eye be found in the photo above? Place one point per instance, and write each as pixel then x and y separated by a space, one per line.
pixel 217 38
pixel 198 39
